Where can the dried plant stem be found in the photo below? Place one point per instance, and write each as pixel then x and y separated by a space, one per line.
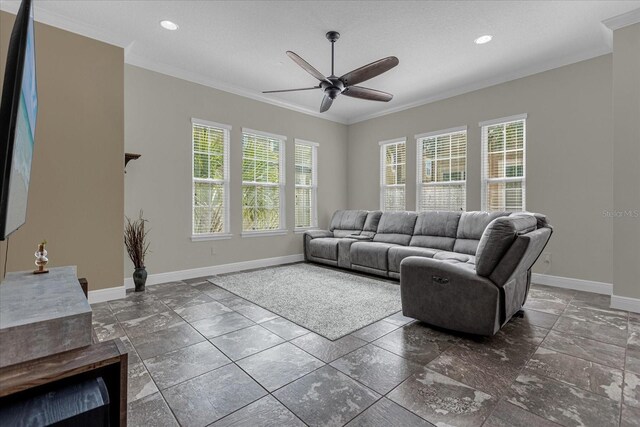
pixel 135 239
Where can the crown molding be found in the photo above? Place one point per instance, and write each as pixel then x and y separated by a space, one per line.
pixel 53 19
pixel 50 18
pixel 170 70
pixel 523 72
pixel 624 20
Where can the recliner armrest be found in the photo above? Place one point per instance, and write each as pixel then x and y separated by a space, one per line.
pixel 450 295
pixel 308 236
pixel 316 234
pixel 438 271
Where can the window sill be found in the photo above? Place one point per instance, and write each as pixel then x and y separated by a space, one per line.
pixel 204 237
pixel 302 230
pixel 264 233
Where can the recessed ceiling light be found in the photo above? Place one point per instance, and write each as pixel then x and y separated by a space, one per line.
pixel 168 25
pixel 483 39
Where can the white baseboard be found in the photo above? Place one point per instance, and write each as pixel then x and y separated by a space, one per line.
pixel 571 283
pixel 173 276
pixel 617 302
pixel 625 303
pixel 102 295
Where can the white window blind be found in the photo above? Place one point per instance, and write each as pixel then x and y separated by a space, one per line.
pixel 442 170
pixel 262 181
pixel 393 174
pixel 306 211
pixel 504 164
pixel 210 159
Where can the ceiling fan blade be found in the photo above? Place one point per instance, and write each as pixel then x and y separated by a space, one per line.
pixel 290 90
pixel 369 71
pixel 307 67
pixel 366 93
pixel 326 103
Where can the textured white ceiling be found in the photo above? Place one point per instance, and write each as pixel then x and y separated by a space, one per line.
pixel 240 45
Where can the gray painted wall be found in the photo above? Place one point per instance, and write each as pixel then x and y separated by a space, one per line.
pixel 158 111
pixel 569 156
pixel 569 161
pixel 626 148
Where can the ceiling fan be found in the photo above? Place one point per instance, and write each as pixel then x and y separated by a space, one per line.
pixel 333 86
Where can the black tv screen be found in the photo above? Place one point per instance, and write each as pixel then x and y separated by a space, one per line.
pixel 18 111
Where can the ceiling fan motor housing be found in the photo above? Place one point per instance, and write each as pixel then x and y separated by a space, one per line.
pixel 332 36
pixel 333 89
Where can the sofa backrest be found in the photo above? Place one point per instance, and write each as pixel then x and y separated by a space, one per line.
pixel 498 238
pixel 470 229
pixel 436 230
pixel 345 222
pixel 371 223
pixel 396 227
pixel 541 219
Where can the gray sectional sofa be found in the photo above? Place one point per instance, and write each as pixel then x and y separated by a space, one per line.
pixel 465 271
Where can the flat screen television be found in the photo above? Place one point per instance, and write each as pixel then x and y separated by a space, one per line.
pixel 18 111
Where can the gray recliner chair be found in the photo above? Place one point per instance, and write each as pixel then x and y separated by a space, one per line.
pixel 477 298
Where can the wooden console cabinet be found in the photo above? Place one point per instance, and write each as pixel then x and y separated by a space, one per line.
pixel 78 361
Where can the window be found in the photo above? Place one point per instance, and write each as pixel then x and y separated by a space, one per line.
pixel 262 182
pixel 442 170
pixel 503 165
pixel 210 208
pixel 306 184
pixel 393 174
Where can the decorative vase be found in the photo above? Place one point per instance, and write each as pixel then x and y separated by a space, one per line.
pixel 140 278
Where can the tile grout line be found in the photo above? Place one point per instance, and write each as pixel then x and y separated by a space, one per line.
pixel 231 361
pixel 234 362
pixel 570 385
pixel 366 342
pixel 624 371
pixel 150 376
pixel 502 397
pixel 160 391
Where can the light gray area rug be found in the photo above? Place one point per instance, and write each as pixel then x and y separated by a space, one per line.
pixel 328 302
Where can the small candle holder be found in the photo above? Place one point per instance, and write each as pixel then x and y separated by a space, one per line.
pixel 41 259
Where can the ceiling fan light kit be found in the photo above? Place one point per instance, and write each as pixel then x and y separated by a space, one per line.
pixel 332 86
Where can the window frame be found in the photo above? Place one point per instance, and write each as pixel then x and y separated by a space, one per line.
pixel 314 183
pixel 419 172
pixel 282 228
pixel 226 227
pixel 484 126
pixel 383 186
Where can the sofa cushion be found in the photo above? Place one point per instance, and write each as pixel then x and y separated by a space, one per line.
pixel 398 253
pixel 470 229
pixel 436 230
pixel 455 257
pixel 371 254
pixel 371 223
pixel 345 222
pixel 324 247
pixel 541 219
pixel 498 238
pixel 396 227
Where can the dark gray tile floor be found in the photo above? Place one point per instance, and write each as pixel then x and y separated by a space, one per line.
pixel 200 356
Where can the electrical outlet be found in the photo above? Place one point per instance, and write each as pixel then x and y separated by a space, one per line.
pixel 547 258
pixel 213 252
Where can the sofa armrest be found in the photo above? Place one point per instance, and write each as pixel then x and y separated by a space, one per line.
pixel 316 234
pixel 309 235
